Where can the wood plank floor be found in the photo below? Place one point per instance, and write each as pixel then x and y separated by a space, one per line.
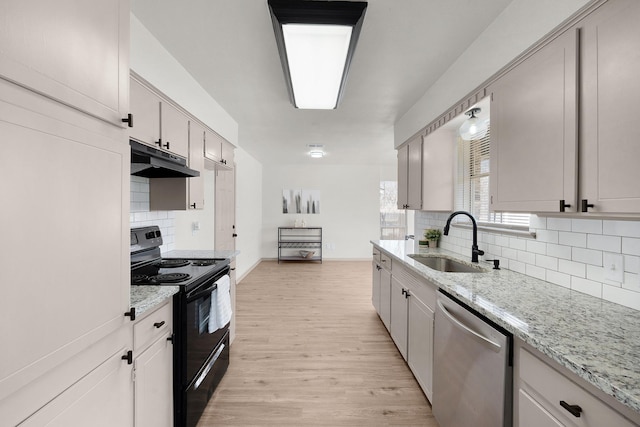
pixel 310 350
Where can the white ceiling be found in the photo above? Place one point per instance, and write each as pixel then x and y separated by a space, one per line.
pixel 228 46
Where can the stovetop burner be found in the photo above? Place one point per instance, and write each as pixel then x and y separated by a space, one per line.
pixel 170 278
pixel 173 263
pixel 203 262
pixel 136 279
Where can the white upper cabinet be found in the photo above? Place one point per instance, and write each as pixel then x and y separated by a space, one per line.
pixel 438 154
pixel 74 51
pixel 196 161
pixel 609 150
pixel 534 131
pixel 410 175
pixel 174 130
pixel 218 152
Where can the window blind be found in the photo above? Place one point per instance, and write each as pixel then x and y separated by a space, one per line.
pixel 472 185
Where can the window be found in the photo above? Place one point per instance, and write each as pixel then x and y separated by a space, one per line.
pixel 393 222
pixel 472 187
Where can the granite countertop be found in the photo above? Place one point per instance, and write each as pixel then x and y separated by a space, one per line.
pixel 145 298
pixel 595 339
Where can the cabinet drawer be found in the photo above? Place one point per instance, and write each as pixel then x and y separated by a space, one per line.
pixel 549 387
pixel 151 327
pixel 385 261
pixel 376 255
pixel 419 287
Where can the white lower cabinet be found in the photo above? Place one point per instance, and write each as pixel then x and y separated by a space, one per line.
pixel 420 343
pixel 385 297
pixel 399 310
pixel 546 396
pixel 153 368
pixel 381 286
pixel 375 288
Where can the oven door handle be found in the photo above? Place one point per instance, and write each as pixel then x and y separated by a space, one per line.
pixel 207 368
pixel 198 293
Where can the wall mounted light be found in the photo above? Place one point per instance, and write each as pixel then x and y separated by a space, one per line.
pixel 316 41
pixel 473 127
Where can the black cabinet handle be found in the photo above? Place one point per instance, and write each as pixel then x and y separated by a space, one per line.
pixel 406 293
pixel 170 338
pixel 563 205
pixel 193 205
pixel 131 313
pixel 159 324
pixel 128 357
pixel 234 235
pixel 166 145
pixel 129 120
pixel 575 410
pixel 586 205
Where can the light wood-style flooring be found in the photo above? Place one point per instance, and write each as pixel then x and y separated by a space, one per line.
pixel 310 350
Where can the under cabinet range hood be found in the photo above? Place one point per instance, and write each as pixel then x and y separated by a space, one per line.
pixel 150 162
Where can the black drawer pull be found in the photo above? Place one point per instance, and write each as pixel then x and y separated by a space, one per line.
pixel 575 410
pixel 159 324
pixel 131 313
pixel 128 357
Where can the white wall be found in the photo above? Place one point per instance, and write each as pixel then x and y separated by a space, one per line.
pixel 249 189
pixel 518 27
pixel 349 206
pixel 156 65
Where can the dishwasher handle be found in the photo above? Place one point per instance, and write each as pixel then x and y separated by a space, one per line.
pixel 479 337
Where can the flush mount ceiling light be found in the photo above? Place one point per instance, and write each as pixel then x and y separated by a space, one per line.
pixel 316 151
pixel 473 128
pixel 316 41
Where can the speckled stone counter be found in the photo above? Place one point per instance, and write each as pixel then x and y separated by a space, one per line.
pixel 145 298
pixel 593 338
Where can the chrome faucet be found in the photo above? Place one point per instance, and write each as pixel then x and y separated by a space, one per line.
pixel 474 247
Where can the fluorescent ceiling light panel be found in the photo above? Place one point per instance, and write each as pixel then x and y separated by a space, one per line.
pixel 317 56
pixel 316 41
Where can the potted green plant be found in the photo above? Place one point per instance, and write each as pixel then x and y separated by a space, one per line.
pixel 432 235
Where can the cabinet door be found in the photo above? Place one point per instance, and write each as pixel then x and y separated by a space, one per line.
pixel 609 153
pixel 73 199
pixel 103 398
pixel 420 344
pixel 154 385
pixel 533 131
pixel 438 154
pixel 213 146
pixel 375 290
pixel 403 176
pixel 399 316
pixel 414 184
pixel 227 154
pixel 533 414
pixel 174 130
pixel 74 51
pixel 145 107
pixel 385 298
pixel 196 161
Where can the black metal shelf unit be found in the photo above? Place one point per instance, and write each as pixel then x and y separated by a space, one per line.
pixel 299 244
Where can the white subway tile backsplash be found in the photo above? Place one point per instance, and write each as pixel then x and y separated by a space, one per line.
pixel 566 251
pixel 572 239
pixel 537 272
pixel 586 286
pixel 572 268
pixel 621 228
pixel 558 278
pixel 587 256
pixel 560 224
pixel 550 263
pixel 621 296
pixel 631 264
pixel 604 243
pixel 593 226
pixel 536 247
pixel 559 251
pixel 630 246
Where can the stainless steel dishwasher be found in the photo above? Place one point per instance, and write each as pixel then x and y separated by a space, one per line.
pixel 472 380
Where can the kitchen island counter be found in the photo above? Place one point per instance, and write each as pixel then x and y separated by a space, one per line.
pixel 595 339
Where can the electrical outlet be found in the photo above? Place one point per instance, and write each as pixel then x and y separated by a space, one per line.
pixel 613 267
pixel 195 226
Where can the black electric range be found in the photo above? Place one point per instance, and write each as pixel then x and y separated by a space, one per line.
pixel 200 355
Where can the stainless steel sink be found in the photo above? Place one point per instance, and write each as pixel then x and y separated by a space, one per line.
pixel 445 264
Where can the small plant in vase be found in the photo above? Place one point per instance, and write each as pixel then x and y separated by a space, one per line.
pixel 432 235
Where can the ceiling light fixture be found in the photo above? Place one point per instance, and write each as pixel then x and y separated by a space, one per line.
pixel 473 128
pixel 316 41
pixel 316 151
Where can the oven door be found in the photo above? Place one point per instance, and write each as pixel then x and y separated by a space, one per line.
pixel 201 388
pixel 199 341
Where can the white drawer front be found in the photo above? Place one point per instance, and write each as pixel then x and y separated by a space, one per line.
pixel 151 327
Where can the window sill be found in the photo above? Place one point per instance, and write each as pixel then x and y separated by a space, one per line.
pixel 499 229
